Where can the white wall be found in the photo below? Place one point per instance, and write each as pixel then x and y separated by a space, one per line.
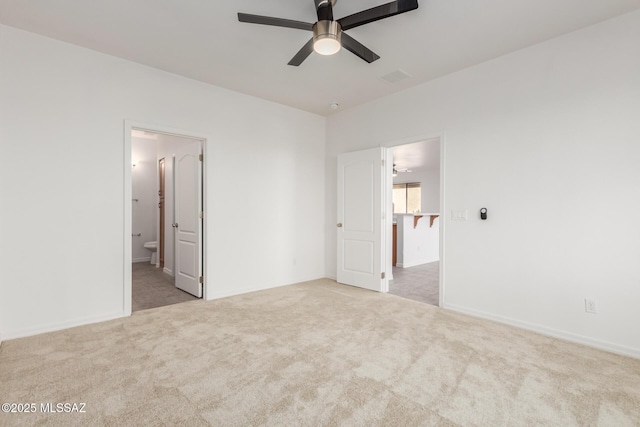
pixel 430 189
pixel 417 243
pixel 62 113
pixel 546 138
pixel 144 188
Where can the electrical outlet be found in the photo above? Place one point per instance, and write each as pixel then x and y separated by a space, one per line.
pixel 590 306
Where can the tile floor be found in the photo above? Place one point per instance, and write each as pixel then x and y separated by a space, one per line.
pixel 419 283
pixel 154 288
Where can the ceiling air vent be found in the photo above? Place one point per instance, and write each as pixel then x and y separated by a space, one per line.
pixel 395 76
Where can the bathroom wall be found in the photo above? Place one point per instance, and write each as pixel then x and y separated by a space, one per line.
pixel 144 186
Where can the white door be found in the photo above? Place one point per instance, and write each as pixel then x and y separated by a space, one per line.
pixel 188 224
pixel 360 222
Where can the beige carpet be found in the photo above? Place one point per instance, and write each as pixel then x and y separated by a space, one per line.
pixel 152 288
pixel 315 354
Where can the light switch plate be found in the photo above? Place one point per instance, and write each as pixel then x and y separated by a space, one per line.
pixel 459 214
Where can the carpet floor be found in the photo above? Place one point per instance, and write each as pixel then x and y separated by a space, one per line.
pixel 151 288
pixel 314 354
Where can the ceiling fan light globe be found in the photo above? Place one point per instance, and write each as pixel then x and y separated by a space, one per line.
pixel 327 37
pixel 326 46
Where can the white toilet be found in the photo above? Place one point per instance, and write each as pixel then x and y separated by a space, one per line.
pixel 153 247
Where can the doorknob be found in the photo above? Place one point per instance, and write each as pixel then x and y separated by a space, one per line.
pixel 339 225
pixel 174 225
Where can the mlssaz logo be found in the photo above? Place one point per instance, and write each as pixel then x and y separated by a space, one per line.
pixel 63 407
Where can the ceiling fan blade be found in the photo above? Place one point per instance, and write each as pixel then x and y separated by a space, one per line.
pixel 358 49
pixel 276 22
pixel 302 54
pixel 377 13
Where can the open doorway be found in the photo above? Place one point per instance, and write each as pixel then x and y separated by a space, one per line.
pixel 416 221
pixel 364 227
pixel 166 211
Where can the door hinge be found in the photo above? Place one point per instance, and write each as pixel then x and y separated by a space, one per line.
pixel 201 215
pixel 200 157
pixel 201 279
pixel 382 275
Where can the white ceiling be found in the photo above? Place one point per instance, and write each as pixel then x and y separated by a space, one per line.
pixel 203 40
pixel 419 156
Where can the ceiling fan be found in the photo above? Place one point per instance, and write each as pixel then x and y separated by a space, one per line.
pixel 400 170
pixel 328 34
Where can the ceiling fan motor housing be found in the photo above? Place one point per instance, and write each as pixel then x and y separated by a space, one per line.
pixel 325 36
pixel 320 3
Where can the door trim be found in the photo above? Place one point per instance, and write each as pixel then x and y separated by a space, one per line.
pixel 130 125
pixel 162 206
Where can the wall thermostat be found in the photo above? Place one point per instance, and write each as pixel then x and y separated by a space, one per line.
pixel 483 213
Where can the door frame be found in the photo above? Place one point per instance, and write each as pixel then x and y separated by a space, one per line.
pixel 162 183
pixel 130 125
pixel 388 183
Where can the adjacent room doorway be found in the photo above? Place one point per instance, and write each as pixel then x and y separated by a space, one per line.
pixel 365 219
pixel 416 221
pixel 164 217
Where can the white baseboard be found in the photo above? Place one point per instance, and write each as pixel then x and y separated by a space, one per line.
pixel 556 333
pixel 52 327
pixel 218 294
pixel 148 259
pixel 415 264
pixel 168 271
